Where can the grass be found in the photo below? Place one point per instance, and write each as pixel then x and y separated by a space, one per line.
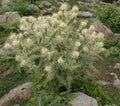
pixel 105 67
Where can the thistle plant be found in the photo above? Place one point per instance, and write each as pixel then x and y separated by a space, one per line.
pixel 58 48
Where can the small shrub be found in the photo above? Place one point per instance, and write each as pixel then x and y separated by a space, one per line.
pixel 56 49
pixel 24 8
pixel 112 46
pixel 110 16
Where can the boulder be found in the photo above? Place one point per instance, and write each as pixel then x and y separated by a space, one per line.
pixel 118 2
pixel 103 83
pixel 6 73
pixel 83 100
pixel 9 16
pixel 117 66
pixel 116 84
pixel 5 3
pixel 99 27
pixel 85 14
pixel 17 95
pixel 16 105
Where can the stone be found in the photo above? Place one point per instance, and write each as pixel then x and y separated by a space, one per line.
pixel 16 105
pixel 9 16
pixel 17 95
pixel 118 2
pixel 5 3
pixel 103 83
pixel 99 27
pixel 84 14
pixel 6 73
pixel 83 100
pixel 86 2
pixel 117 66
pixel 116 84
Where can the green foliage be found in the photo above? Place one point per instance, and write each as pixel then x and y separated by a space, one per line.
pixel 113 48
pixel 110 16
pixel 6 29
pixel 24 8
pixel 90 87
pixel 11 81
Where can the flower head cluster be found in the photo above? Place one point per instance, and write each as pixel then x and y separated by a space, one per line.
pixel 54 42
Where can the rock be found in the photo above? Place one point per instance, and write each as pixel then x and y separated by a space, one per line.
pixel 5 3
pixel 84 14
pixel 6 73
pixel 99 27
pixel 88 2
pixel 116 84
pixel 9 16
pixel 117 66
pixel 117 34
pixel 17 95
pixel 83 100
pixel 103 83
pixel 16 105
pixel 118 2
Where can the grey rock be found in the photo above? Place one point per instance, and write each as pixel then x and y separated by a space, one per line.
pixel 16 105
pixel 84 14
pixel 116 84
pixel 103 83
pixel 17 95
pixel 5 3
pixel 9 16
pixel 83 100
pixel 99 27
pixel 117 66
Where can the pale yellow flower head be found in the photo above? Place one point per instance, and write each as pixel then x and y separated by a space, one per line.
pixel 75 54
pixel 60 60
pixel 100 44
pixel 100 36
pixel 13 36
pixel 15 43
pixel 62 25
pixel 48 68
pixel 23 20
pixel 85 49
pixel 23 63
pixel 22 27
pixel 31 19
pixel 64 7
pixel 17 58
pixel 7 46
pixel 60 13
pixel 81 37
pixel 55 15
pixel 75 9
pixel 59 38
pixel 29 41
pixel 84 31
pixel 92 28
pixel 44 51
pixel 38 34
pixel 20 35
pixel 77 44
pixel 83 23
